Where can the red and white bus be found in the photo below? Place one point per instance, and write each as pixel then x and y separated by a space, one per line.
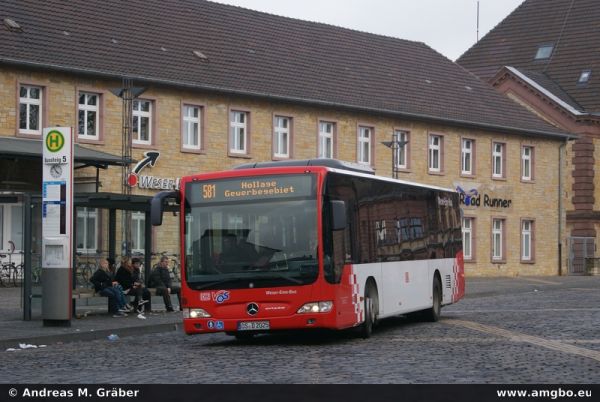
pixel 313 244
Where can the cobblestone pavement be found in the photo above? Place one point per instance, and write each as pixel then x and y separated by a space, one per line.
pixel 542 333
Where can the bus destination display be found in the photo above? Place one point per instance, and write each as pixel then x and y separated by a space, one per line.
pixel 256 188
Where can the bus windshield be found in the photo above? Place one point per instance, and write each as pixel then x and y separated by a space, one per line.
pixel 244 233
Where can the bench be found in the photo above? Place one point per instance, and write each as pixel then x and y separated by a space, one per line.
pixel 86 293
pixel 90 293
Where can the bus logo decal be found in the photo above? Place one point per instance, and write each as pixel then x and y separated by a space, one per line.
pixel 252 308
pixel 221 296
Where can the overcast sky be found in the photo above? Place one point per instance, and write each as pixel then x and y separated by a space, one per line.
pixel 448 26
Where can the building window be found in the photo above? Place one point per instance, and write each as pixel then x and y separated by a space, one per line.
pixel 526 240
pixel 142 122
pixel 11 227
pixel 87 229
pixel 467 229
pixel 365 136
pixel 30 109
pixel 544 52
pixel 435 153
pixel 498 169
pixel 527 163
pixel 402 156
pixel 326 133
pixel 238 132
pixel 584 77
pixel 466 157
pixel 281 137
pixel 497 239
pixel 89 112
pixel 138 233
pixel 192 127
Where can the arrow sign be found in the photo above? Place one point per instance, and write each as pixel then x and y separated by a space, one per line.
pixel 150 158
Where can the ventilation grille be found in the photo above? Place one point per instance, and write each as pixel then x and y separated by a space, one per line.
pixel 448 281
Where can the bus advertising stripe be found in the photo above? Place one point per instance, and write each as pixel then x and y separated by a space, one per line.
pixel 356 297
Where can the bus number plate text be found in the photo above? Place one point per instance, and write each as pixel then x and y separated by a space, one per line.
pixel 253 325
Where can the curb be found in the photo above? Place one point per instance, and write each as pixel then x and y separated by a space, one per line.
pixel 88 335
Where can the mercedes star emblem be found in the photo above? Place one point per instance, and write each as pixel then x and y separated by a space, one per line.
pixel 252 308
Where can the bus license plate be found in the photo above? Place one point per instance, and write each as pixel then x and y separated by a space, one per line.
pixel 253 325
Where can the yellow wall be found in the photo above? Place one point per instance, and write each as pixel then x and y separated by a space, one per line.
pixel 538 200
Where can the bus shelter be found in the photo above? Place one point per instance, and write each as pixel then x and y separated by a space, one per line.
pixel 111 204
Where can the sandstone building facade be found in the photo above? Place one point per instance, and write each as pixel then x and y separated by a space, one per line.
pixel 275 98
pixel 539 57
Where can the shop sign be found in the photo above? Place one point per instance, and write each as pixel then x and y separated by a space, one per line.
pixel 135 179
pixel 473 197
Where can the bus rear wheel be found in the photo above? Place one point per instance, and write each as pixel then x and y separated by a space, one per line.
pixel 433 314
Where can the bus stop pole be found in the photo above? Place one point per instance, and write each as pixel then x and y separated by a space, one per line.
pixel 28 269
pixel 147 247
pixel 112 233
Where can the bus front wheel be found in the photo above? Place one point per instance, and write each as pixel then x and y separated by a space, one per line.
pixel 371 311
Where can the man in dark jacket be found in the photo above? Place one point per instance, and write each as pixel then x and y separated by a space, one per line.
pixel 160 278
pixel 107 287
pixel 128 275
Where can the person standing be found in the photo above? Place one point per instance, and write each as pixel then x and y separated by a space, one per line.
pixel 128 276
pixel 106 286
pixel 160 278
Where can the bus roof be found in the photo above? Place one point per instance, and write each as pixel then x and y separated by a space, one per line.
pixel 326 162
pixel 337 166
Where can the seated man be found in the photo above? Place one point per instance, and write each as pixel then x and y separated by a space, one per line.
pixel 160 278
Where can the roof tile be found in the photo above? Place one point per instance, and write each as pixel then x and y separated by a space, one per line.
pixel 250 52
pixel 571 26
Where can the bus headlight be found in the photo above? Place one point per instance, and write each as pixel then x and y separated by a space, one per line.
pixel 195 313
pixel 316 307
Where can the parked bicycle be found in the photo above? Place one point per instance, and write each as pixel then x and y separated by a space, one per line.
pixel 86 265
pixel 11 273
pixel 175 268
pixel 5 272
pixel 174 265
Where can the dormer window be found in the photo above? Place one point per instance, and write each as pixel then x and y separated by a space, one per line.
pixel 544 52
pixel 584 77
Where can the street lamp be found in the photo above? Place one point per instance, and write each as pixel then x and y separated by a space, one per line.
pixel 395 145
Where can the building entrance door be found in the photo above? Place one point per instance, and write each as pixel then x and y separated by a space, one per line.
pixel 580 248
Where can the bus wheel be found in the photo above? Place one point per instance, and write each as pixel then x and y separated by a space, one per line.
pixel 433 314
pixel 371 312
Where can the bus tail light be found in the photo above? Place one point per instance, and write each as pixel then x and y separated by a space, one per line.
pixel 195 313
pixel 316 307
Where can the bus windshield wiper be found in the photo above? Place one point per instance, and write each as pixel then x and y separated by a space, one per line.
pixel 205 285
pixel 277 275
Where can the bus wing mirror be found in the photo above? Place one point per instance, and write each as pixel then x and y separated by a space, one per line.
pixel 157 205
pixel 338 214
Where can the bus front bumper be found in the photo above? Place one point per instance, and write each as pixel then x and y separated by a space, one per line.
pixel 297 321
